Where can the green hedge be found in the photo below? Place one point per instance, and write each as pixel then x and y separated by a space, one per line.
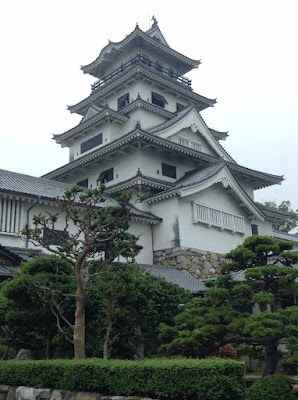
pixel 272 387
pixel 184 378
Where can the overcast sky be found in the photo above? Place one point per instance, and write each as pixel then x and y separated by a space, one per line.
pixel 249 63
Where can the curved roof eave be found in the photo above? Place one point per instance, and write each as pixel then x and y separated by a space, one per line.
pixel 113 47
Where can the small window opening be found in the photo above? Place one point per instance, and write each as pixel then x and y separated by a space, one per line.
pixel 158 100
pixel 123 101
pixel 83 183
pixel 168 170
pixel 106 176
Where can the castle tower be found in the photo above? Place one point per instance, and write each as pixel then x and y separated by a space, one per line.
pixel 141 128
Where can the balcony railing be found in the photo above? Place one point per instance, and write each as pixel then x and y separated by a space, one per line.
pixel 187 143
pixel 220 219
pixel 145 61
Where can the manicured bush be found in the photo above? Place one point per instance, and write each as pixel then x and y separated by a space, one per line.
pixel 158 378
pixel 272 388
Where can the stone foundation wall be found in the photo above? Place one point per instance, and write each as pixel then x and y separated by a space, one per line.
pixel 197 263
pixel 29 393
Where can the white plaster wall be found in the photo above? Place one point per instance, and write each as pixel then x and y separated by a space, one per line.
pixel 144 231
pixel 167 233
pixel 126 167
pixel 201 236
pixel 15 240
pixel 75 148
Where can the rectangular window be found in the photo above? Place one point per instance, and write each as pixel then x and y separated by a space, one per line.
pixel 168 170
pixel 83 183
pixel 254 229
pixel 158 100
pixel 123 101
pixel 55 237
pixel 93 142
pixel 106 176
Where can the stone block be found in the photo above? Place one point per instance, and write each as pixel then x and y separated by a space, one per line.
pixel 212 270
pixel 207 265
pixel 173 262
pixel 42 394
pixel 198 271
pixel 157 253
pixel 25 393
pixel 88 396
pixel 117 397
pixel 193 250
pixel 203 252
pixel 213 256
pixel 196 260
pixel 204 272
pixel 133 398
pixel 168 251
pixel 181 259
pixel 56 395
pixel 11 395
pixel 24 354
pixel 68 395
pixel 178 253
pixel 4 388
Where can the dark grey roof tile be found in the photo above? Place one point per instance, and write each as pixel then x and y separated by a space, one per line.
pixel 174 275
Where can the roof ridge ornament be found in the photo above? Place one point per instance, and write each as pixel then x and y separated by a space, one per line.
pixel 154 21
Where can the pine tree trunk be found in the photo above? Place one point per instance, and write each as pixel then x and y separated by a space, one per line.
pixel 79 327
pixel 106 350
pixel 271 357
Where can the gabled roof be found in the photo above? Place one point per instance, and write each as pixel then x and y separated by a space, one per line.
pixel 93 116
pixel 137 136
pixel 152 39
pixel 46 189
pixel 140 179
pixel 189 117
pixel 174 275
pixel 201 179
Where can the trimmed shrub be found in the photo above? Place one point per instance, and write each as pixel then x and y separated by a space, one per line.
pixel 272 387
pixel 158 378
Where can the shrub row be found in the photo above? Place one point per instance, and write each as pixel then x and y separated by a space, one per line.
pixel 159 378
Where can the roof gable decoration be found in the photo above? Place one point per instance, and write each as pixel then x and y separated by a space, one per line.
pixel 228 182
pixel 155 32
pixel 194 121
pixel 91 112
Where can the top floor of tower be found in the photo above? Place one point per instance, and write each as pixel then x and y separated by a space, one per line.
pixel 149 48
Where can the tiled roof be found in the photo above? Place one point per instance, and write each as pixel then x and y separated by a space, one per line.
pixel 46 188
pixel 172 121
pixel 285 236
pixel 22 253
pixel 15 256
pixel 30 185
pixel 174 275
pixel 6 269
pixel 197 176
